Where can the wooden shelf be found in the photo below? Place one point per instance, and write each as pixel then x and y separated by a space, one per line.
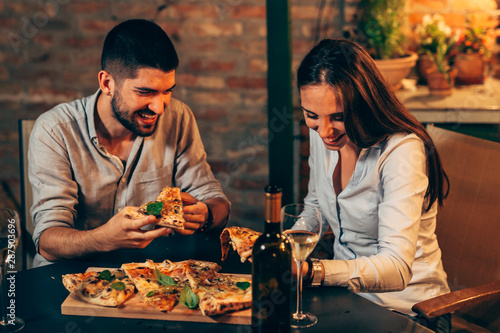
pixel 475 104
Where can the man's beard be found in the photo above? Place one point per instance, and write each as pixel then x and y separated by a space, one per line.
pixel 127 120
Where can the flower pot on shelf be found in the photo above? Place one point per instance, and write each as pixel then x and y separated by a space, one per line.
pixel 470 67
pixel 424 64
pixel 439 84
pixel 395 70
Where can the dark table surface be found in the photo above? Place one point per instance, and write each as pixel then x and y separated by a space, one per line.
pixel 40 293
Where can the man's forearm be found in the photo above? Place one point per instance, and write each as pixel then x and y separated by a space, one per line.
pixel 58 243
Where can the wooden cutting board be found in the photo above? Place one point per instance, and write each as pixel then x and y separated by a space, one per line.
pixel 134 308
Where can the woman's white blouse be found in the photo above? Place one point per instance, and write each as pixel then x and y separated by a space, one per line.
pixel 385 247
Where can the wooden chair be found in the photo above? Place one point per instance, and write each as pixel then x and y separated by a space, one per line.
pixel 26 243
pixel 468 231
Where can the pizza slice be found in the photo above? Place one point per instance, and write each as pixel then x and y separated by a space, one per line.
pixel 171 214
pixel 241 239
pixel 105 288
pixel 167 208
pixel 192 271
pixel 153 283
pixel 221 294
pixel 212 292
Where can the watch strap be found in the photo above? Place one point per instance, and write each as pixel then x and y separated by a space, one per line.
pixel 208 223
pixel 317 272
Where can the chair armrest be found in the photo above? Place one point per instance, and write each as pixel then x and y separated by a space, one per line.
pixel 457 300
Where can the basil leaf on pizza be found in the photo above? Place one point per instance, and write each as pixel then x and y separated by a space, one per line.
pixel 118 286
pixel 154 208
pixel 164 279
pixel 188 298
pixel 167 208
pixel 105 275
pixel 243 285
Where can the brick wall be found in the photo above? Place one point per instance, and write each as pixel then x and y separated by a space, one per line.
pixel 50 50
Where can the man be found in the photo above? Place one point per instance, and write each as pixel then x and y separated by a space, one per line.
pixel 91 158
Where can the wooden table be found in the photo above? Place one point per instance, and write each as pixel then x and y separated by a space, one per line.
pixel 40 293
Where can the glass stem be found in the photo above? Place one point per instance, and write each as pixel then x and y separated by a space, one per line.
pixel 299 287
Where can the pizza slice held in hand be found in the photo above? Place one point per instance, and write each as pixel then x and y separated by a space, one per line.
pixel 241 239
pixel 167 208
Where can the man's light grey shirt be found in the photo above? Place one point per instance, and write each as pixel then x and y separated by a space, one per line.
pixel 77 183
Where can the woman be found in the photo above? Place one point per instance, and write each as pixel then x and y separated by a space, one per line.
pixel 376 177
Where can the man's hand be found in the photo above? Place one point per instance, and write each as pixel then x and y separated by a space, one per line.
pixel 195 214
pixel 122 232
pixel 119 232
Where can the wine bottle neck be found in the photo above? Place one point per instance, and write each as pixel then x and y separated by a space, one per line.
pixel 272 227
pixel 273 204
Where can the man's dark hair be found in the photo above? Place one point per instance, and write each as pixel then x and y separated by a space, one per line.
pixel 136 44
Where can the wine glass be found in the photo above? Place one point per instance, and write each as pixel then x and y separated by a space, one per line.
pixel 301 224
pixel 10 232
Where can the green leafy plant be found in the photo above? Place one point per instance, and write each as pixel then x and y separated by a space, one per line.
pixel 474 39
pixel 437 40
pixel 382 24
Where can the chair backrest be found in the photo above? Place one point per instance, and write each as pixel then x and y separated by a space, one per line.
pixel 26 243
pixel 468 225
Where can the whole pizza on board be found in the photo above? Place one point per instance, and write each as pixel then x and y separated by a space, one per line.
pixel 193 283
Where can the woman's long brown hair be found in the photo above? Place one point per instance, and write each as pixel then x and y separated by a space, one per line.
pixel 372 112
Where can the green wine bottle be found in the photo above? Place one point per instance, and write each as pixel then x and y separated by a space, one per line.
pixel 271 272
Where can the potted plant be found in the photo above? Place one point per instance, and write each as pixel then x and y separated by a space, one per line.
pixel 431 33
pixel 473 51
pixel 436 44
pixel 441 78
pixel 382 24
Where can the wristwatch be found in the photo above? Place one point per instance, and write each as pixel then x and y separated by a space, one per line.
pixel 208 223
pixel 317 272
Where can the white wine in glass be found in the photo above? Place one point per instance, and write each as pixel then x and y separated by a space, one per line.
pixel 303 243
pixel 10 232
pixel 302 225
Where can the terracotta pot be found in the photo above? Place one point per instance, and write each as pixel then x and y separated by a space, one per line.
pixel 395 70
pixel 424 64
pixel 470 68
pixel 439 84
